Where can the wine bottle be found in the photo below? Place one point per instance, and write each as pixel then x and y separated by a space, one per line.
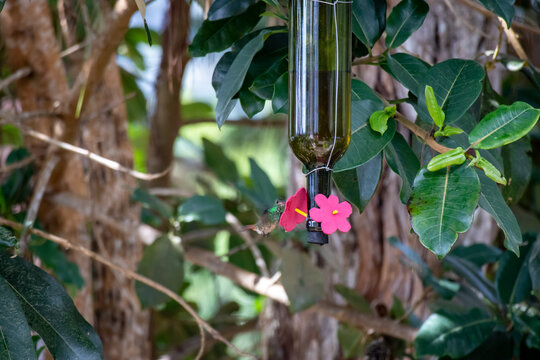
pixel 320 40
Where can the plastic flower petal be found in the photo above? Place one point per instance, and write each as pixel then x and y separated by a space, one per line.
pixel 295 210
pixel 331 214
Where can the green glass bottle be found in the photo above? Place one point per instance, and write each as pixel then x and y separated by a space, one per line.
pixel 320 41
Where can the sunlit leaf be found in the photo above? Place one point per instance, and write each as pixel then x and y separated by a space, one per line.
pixel 442 205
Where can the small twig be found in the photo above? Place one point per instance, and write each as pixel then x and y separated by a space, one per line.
pixel 421 133
pixel 487 13
pixel 94 157
pixel 513 40
pixel 465 21
pixel 203 325
pixel 368 60
pixel 170 192
pixel 111 106
pixel 19 164
pixel 73 49
pixel 17 75
pixel 238 228
pixel 35 202
pixel 241 122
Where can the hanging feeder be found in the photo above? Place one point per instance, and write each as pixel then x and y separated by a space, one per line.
pixel 319 94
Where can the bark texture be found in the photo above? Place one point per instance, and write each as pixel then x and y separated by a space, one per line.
pixel 167 118
pixel 30 40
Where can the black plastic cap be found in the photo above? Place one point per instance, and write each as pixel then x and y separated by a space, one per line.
pixel 317 237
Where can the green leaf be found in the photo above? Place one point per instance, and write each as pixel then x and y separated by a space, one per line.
pixel 221 9
pixel 449 158
pixel 55 259
pixel 503 8
pixel 233 80
pixel 453 334
pixel 352 341
pixel 15 339
pixel 280 98
pixel 504 125
pixel 304 282
pixel 6 238
pixel 50 311
pixel 369 20
pixel 11 135
pixel 152 202
pixel 361 91
pixel 163 262
pixel 491 200
pixel 263 85
pixel 215 36
pixel 206 209
pixel 433 107
pixel 473 275
pixel 456 83
pixel 442 205
pixel 408 70
pixel 478 254
pixel 498 346
pixel 534 267
pixel 359 184
pixel 365 143
pixel 357 301
pixel 379 119
pixel 489 170
pixel 513 279
pixel 262 192
pixel 2 3
pixel 403 162
pixel 251 103
pixel 219 163
pixel 448 131
pixel 517 169
pixel 405 18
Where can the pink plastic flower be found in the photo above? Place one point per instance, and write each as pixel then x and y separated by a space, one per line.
pixel 331 214
pixel 295 210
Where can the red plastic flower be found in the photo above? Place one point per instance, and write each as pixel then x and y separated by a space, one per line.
pixel 295 210
pixel 331 214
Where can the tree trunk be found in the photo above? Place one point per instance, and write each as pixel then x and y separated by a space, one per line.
pixel 167 118
pixel 28 33
pixel 368 263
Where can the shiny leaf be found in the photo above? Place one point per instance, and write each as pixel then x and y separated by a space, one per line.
pixel 491 200
pixel 517 169
pixel 405 18
pixel 456 83
pixel 504 125
pixel 365 143
pixel 403 162
pixel 50 311
pixel 251 103
pixel 448 131
pixel 408 70
pixel 15 338
pixel 433 107
pixel 215 36
pixel 453 334
pixel 221 9
pixel 263 85
pixel 280 99
pixel 369 20
pixel 442 205
pixel 503 8
pixel 359 184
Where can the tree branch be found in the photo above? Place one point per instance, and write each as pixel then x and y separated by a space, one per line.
pixel 487 13
pixel 104 46
pixel 421 133
pixel 19 74
pixel 93 156
pixel 132 275
pixel 275 291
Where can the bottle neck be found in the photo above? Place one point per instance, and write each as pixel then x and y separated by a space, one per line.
pixel 318 182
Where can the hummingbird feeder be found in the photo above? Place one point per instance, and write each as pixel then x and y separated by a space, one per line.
pixel 320 41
